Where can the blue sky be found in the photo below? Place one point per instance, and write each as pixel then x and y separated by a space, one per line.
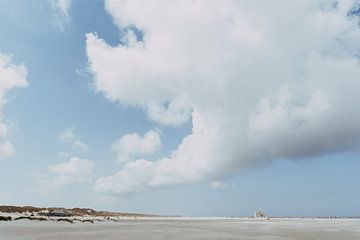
pixel 217 122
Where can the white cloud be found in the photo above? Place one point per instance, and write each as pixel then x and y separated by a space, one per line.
pixel 68 135
pixel 61 12
pixel 218 185
pixel 6 150
pixel 130 183
pixel 76 170
pixel 175 112
pixel 63 5
pixel 133 144
pixel 259 81
pixel 80 145
pixel 11 76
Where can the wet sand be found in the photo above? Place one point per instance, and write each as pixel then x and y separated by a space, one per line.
pixel 185 229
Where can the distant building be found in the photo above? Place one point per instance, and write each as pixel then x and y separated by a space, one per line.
pixel 60 213
pixel 55 213
pixel 260 214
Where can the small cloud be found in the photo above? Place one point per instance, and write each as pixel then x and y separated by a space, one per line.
pixel 133 144
pixel 68 135
pixel 80 145
pixel 11 76
pixel 6 150
pixel 61 12
pixel 128 184
pixel 83 72
pixel 76 170
pixel 218 185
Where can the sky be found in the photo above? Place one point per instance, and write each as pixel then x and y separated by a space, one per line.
pixel 194 108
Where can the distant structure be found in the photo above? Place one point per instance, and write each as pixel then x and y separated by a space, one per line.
pixel 55 213
pixel 260 214
pixel 60 213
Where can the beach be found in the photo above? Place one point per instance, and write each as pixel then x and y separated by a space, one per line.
pixel 185 229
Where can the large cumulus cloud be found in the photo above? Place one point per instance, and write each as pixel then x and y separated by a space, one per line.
pixel 259 81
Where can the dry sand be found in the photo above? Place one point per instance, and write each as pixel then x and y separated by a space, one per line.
pixel 184 229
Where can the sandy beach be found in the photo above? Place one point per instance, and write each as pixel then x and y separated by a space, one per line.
pixel 181 228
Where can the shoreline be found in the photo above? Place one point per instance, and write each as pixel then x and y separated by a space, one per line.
pixel 88 215
pixel 99 219
pixel 182 228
